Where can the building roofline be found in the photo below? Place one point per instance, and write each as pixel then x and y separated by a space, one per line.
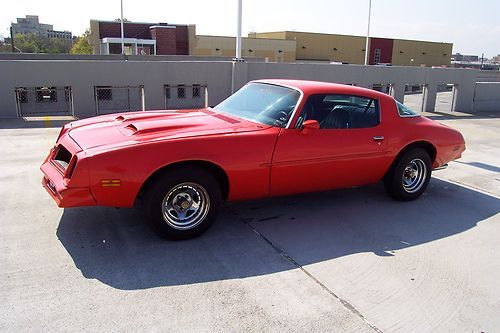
pixel 150 23
pixel 343 35
pixel 265 38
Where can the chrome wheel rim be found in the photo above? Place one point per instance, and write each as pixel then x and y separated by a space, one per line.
pixel 414 175
pixel 185 206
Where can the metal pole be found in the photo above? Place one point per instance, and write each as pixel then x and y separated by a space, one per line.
pixel 482 61
pixel 238 35
pixel 121 25
pixel 367 51
pixel 12 40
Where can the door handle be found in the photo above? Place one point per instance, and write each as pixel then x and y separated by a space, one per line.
pixel 378 138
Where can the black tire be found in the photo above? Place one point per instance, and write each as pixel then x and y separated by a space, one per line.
pixel 399 182
pixel 182 187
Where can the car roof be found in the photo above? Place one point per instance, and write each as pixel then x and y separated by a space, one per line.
pixel 317 87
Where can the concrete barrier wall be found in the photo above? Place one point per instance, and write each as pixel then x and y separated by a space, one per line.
pixel 83 75
pixel 487 96
pixel 488 76
pixel 366 76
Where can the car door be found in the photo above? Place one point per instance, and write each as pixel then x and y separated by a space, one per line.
pixel 347 149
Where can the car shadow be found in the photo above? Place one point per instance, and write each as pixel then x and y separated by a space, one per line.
pixel 480 165
pixel 115 247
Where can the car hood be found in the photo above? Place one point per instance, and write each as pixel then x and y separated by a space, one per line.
pixel 144 126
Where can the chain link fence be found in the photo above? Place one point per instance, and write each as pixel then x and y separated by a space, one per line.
pixel 111 99
pixel 185 96
pixel 44 101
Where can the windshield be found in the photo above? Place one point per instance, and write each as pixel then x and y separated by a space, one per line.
pixel 263 103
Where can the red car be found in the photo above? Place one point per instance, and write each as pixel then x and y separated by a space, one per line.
pixel 272 137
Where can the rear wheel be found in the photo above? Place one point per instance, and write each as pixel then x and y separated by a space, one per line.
pixel 183 203
pixel 409 176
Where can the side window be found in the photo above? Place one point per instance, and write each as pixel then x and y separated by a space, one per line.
pixel 334 111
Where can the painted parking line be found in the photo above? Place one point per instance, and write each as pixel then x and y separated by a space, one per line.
pixel 46 120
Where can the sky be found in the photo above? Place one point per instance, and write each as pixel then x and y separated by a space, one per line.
pixel 472 26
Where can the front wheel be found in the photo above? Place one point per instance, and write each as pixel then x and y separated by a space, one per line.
pixel 409 176
pixel 183 203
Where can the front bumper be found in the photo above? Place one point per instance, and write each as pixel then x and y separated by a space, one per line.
pixel 54 182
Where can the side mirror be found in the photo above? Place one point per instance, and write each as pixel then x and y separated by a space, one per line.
pixel 310 125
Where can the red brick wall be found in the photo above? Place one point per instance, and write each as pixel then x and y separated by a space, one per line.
pixel 130 30
pixel 182 39
pixel 166 40
pixel 169 41
pixel 385 45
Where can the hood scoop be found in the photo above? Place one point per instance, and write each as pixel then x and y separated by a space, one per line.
pixel 149 115
pixel 151 127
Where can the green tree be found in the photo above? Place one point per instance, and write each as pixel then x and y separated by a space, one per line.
pixel 82 45
pixel 31 43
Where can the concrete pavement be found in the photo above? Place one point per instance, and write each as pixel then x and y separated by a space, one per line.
pixel 349 260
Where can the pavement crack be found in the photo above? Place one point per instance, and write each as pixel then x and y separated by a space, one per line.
pixel 285 255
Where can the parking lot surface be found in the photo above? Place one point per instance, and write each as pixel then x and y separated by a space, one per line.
pixel 348 260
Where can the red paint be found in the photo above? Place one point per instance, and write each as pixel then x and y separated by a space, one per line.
pixel 385 46
pixel 259 160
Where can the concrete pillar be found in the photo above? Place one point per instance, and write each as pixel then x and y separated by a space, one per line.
pixel 154 96
pixel 465 84
pixel 239 75
pixel 399 91
pixel 84 99
pixel 430 93
pixel 464 96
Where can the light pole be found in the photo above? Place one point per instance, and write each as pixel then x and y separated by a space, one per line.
pixel 121 25
pixel 237 57
pixel 238 29
pixel 367 51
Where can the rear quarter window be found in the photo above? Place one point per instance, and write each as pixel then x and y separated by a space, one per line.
pixel 405 111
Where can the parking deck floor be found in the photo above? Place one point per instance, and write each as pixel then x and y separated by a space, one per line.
pixel 346 260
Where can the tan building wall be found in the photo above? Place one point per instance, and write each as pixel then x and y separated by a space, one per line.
pixel 323 47
pixel 422 53
pixel 276 50
pixel 272 35
pixel 351 49
pixel 329 47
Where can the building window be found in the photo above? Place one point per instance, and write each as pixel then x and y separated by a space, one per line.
pixel 181 91
pixel 46 94
pixel 376 56
pixel 196 91
pixel 104 93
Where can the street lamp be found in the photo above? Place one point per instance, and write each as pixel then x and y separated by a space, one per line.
pixel 238 29
pixel 368 32
pixel 121 25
